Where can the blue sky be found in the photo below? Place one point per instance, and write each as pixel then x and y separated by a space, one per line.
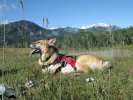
pixel 74 13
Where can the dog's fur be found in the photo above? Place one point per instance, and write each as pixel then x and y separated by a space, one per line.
pixel 84 63
pixel 48 55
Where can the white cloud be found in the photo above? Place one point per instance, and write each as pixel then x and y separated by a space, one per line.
pixel 7 7
pixel 4 22
pixel 13 6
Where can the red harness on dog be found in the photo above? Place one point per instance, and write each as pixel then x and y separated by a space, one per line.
pixel 66 59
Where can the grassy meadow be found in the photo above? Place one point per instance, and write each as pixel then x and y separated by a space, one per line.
pixel 18 66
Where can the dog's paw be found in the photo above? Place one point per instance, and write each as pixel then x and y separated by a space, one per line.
pixel 44 70
pixel 51 71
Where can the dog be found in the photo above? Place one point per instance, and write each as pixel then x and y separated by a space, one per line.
pixel 50 59
pixel 54 61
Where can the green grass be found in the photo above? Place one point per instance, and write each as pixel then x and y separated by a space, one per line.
pixel 20 66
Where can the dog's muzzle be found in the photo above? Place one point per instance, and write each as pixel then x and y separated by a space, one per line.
pixel 35 50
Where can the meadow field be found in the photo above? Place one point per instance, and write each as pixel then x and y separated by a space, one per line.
pixel 17 66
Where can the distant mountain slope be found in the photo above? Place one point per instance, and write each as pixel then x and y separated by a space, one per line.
pixel 24 30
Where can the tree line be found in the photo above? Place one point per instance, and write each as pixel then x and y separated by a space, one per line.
pixel 86 40
pixel 81 40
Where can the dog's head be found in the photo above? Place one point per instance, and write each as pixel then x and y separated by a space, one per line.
pixel 42 46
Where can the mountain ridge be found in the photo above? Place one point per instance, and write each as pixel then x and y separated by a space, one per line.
pixel 25 30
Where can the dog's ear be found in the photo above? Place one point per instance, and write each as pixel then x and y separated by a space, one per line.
pixel 52 41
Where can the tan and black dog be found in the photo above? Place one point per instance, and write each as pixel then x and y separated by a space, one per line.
pixel 50 57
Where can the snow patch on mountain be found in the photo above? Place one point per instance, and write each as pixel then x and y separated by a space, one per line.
pixel 103 25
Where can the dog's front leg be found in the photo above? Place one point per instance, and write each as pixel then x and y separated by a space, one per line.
pixel 40 62
pixel 51 59
pixel 52 68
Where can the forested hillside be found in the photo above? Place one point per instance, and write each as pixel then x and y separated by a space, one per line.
pixel 87 40
pixel 22 33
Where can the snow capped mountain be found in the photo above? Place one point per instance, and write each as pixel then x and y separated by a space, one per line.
pixel 98 26
pixel 102 25
pixel 52 28
pixel 36 32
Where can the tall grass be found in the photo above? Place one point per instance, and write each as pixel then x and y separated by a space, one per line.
pixel 19 67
